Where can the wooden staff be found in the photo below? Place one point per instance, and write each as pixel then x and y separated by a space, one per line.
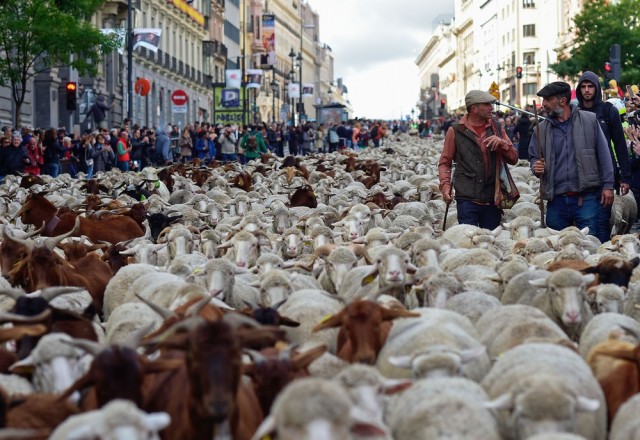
pixel 541 156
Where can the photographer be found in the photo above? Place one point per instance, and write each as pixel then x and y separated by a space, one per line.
pixel 103 156
pixel 632 130
pixel 228 145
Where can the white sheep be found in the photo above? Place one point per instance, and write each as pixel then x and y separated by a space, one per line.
pixel 606 298
pixel 219 278
pixel 472 304
pixel 117 420
pixel 626 425
pixel 434 409
pixel 118 286
pixel 601 326
pixel 540 387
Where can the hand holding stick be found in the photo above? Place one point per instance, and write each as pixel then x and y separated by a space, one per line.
pixel 540 163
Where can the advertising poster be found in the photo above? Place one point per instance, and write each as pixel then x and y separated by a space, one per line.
pixel 268 40
pixel 227 108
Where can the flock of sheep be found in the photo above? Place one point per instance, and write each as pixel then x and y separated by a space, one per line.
pixel 516 333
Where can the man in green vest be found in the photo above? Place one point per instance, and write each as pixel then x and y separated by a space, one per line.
pixel 475 144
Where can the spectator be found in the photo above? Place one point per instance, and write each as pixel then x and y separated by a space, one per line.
pixel 13 157
pixel 164 155
pixel 99 112
pixel 103 156
pixel 53 150
pixel 122 150
pixel 186 145
pixel 34 152
pixel 86 155
pixel 228 145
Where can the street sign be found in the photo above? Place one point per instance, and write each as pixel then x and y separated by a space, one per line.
pixel 179 97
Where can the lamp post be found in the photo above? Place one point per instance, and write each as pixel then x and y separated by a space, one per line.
pixel 292 55
pixel 300 109
pixel 129 59
pixel 274 88
pixel 413 111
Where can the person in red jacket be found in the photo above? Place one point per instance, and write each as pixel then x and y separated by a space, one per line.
pixel 122 151
pixel 36 159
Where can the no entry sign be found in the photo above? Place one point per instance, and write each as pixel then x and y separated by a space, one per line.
pixel 179 100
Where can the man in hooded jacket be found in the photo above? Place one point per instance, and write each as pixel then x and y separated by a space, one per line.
pixel 589 94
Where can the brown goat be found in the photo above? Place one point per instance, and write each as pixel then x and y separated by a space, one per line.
pixel 364 328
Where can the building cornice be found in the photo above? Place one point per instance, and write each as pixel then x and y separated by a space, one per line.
pixel 432 42
pixel 463 27
pixel 446 59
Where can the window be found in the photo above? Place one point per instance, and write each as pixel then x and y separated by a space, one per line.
pixel 528 3
pixel 529 30
pixel 529 89
pixel 529 58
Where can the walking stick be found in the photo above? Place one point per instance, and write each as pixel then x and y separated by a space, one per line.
pixel 446 209
pixel 541 155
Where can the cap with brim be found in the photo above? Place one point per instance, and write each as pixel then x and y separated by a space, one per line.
pixel 554 88
pixel 478 97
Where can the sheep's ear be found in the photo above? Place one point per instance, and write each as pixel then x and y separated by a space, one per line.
pixel 497 231
pixel 401 361
pixel 470 354
pixel 588 278
pixel 586 404
pixel 389 314
pixel 392 386
pixel 585 230
pixel 635 261
pixel 266 428
pixel 541 282
pixel 370 277
pixel 25 366
pixel 506 225
pixel 329 321
pixel 590 294
pixel 504 401
pixel 536 223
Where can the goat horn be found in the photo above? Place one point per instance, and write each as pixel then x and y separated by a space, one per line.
pixel 255 356
pixel 29 244
pixel 36 232
pixel 195 309
pixel 21 319
pixel 285 355
pixel 277 305
pixel 253 305
pixel 49 293
pixel 237 319
pixel 52 242
pixel 91 347
pixel 12 293
pixel 164 313
pixel 134 340
pixel 21 433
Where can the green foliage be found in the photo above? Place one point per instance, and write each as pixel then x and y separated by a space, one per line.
pixel 601 24
pixel 36 35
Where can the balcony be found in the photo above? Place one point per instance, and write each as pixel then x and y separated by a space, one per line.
pixel 180 68
pixel 167 61
pixel 174 64
pixel 208 81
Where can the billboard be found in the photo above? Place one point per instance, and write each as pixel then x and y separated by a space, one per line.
pixel 227 106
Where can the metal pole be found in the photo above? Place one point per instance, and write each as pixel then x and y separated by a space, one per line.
pixel 243 84
pixel 129 59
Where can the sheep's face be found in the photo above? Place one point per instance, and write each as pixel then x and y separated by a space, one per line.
pixel 246 252
pixel 220 281
pixel 292 245
pixel 393 268
pixel 566 303
pixel 337 272
pixel 426 258
pixel 275 291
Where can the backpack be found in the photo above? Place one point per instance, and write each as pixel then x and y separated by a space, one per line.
pixel 603 114
pixel 252 143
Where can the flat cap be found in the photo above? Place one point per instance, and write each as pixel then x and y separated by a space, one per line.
pixel 554 88
pixel 478 97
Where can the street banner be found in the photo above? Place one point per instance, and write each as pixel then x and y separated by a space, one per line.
pixel 307 90
pixel 294 90
pixel 254 78
pixel 268 40
pixel 234 78
pixel 230 98
pixel 227 106
pixel 147 37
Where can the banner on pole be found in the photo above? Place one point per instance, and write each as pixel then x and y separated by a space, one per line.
pixel 307 90
pixel 147 37
pixel 294 90
pixel 234 78
pixel 268 59
pixel 254 78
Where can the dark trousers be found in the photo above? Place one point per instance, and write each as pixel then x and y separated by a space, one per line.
pixel 483 216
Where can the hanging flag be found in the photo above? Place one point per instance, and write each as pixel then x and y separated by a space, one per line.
pixel 147 37
pixel 234 78
pixel 268 40
pixel 307 90
pixel 121 37
pixel 230 98
pixel 294 90
pixel 254 78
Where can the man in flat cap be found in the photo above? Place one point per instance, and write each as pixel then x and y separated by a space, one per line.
pixel 475 144
pixel 576 169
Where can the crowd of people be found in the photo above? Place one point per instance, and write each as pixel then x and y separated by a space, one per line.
pixel 132 147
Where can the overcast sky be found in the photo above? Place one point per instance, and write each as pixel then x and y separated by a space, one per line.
pixel 375 44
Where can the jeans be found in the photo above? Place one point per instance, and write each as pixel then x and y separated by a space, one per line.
pixel 603 227
pixel 483 216
pixel 52 169
pixel 89 172
pixel 564 211
pixel 123 166
pixel 229 157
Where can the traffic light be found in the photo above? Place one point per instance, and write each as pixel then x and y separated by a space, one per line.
pixel 519 72
pixel 608 71
pixel 71 96
pixel 443 102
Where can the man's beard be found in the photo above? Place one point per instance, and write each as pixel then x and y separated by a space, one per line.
pixel 556 112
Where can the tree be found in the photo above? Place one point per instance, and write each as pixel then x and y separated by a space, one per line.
pixel 600 24
pixel 36 35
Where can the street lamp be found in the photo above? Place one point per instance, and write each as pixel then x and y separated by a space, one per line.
pixel 292 55
pixel 274 88
pixel 413 111
pixel 301 109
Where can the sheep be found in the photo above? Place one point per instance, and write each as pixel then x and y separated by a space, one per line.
pixel 539 387
pixel 440 343
pixel 519 285
pixel 327 413
pixel 472 304
pixel 426 252
pixel 479 277
pixel 118 419
pixel 627 244
pixel 338 264
pixel 626 425
pixel 293 243
pixel 564 299
pixel 442 408
pixel 351 228
pixel 118 287
pixel 601 326
pixel 245 249
pixel 127 318
pixel 14 385
pixel 274 287
pixel 455 258
pixel 54 365
pixel 606 298
pixel 503 328
pixel 623 214
pixel 220 280
pixel 632 299
pixel 439 288
pixel 521 227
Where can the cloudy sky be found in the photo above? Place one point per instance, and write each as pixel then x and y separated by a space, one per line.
pixel 375 44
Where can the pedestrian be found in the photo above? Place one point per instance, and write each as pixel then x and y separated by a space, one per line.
pixel 103 156
pixel 253 144
pixel 99 112
pixel 334 138
pixel 186 145
pixel 228 145
pixel 34 151
pixel 576 167
pixel 589 94
pixel 478 145
pixel 53 150
pixel 86 155
pixel 13 157
pixel 122 151
pixel 164 155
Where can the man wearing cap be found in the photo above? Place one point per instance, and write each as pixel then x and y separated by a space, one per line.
pixel 99 112
pixel 589 96
pixel 577 171
pixel 475 144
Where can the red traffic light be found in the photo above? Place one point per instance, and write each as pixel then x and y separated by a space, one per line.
pixel 443 102
pixel 518 69
pixel 71 87
pixel 607 67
